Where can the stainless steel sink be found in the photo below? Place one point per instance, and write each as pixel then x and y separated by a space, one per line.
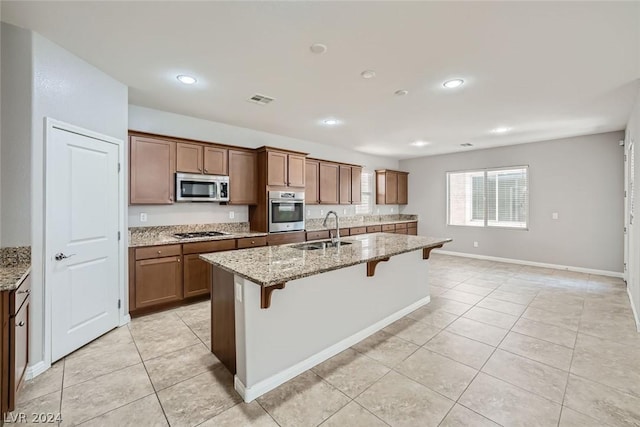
pixel 322 244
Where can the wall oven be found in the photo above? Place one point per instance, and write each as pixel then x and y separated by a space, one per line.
pixel 201 188
pixel 286 211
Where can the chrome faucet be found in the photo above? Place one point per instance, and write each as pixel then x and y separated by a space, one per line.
pixel 334 240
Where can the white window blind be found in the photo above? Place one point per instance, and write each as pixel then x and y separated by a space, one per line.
pixel 488 197
pixel 366 203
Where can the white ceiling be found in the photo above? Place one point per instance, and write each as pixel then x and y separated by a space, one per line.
pixel 546 69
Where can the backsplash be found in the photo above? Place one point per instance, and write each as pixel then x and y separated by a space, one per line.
pixel 12 257
pixel 356 220
pixel 186 213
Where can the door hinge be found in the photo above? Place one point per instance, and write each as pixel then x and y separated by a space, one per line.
pixel 119 235
pixel 119 303
pixel 625 157
pixel 119 167
pixel 625 193
pixel 625 266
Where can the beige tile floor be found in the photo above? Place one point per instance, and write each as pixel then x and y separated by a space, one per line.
pixel 499 344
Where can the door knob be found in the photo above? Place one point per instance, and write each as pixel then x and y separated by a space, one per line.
pixel 60 256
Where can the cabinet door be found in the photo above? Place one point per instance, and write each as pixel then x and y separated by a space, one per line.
pixel 345 185
pixel 328 183
pixel 403 190
pixel 18 351
pixel 391 196
pixel 215 161
pixel 296 173
pixel 312 184
pixel 276 168
pixel 242 177
pixel 158 281
pixel 356 185
pixel 188 158
pixel 197 276
pixel 152 167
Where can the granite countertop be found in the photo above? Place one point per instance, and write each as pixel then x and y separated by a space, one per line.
pixel 153 239
pixel 271 265
pixel 15 265
pixel 319 227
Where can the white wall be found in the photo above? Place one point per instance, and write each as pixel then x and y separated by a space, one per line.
pixel 581 178
pixel 15 154
pixel 633 256
pixel 170 124
pixel 68 89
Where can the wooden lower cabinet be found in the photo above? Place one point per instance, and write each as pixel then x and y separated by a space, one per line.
pixel 284 238
pixel 196 276
pixel 158 281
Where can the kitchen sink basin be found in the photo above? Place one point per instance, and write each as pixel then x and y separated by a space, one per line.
pixel 323 244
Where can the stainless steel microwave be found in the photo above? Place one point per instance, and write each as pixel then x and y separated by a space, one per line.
pixel 201 188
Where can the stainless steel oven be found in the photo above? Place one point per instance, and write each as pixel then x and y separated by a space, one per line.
pixel 201 188
pixel 286 211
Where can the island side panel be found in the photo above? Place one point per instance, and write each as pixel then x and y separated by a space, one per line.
pixel 223 323
pixel 315 317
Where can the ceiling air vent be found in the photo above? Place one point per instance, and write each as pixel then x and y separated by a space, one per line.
pixel 466 144
pixel 261 99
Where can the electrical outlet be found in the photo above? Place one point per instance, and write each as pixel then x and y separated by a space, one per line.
pixel 232 215
pixel 143 217
pixel 321 212
pixel 391 210
pixel 475 244
pixel 378 210
pixel 308 212
pixel 344 211
pixel 554 215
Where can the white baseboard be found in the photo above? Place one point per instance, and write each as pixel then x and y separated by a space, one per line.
pixel 35 370
pixel 608 273
pixel 633 308
pixel 268 384
pixel 125 320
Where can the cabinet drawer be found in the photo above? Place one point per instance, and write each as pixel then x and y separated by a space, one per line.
pixel 374 229
pixel 344 232
pixel 157 252
pixel 317 235
pixel 21 294
pixel 357 230
pixel 403 231
pixel 252 242
pixel 401 226
pixel 284 238
pixel 412 225
pixel 389 227
pixel 212 246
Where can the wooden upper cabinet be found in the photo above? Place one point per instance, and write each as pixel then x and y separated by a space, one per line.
pixel 276 168
pixel 296 170
pixel 312 184
pixel 356 185
pixel 285 169
pixel 391 187
pixel 215 161
pixel 329 178
pixel 188 158
pixel 243 174
pixel 403 188
pixel 199 158
pixel 152 167
pixel 345 184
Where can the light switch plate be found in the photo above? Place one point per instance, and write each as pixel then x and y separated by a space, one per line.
pixel 232 215
pixel 554 215
pixel 475 244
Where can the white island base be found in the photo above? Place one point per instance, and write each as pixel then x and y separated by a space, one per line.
pixel 312 318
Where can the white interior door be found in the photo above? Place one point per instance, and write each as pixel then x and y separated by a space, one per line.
pixel 82 251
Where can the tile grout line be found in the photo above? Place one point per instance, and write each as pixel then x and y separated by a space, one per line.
pixel 573 352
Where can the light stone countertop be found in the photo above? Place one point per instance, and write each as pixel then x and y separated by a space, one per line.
pixel 11 277
pixel 163 238
pixel 271 265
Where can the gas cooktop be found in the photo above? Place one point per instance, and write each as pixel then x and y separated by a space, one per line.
pixel 199 234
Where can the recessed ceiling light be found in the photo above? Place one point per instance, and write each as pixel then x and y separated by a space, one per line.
pixel 331 122
pixel 501 129
pixel 188 80
pixel 420 143
pixel 401 92
pixel 466 144
pixel 368 74
pixel 318 48
pixel 450 84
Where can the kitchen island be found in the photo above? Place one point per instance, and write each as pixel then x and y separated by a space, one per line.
pixel 280 310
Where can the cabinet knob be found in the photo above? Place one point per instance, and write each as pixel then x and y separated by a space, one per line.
pixel 21 323
pixel 178 259
pixel 170 199
pixel 253 241
pixel 206 171
pixel 28 291
pixel 159 252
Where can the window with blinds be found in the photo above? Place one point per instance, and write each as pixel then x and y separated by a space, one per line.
pixel 488 197
pixel 366 203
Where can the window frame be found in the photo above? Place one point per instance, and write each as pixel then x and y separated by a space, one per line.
pixel 370 177
pixel 485 224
